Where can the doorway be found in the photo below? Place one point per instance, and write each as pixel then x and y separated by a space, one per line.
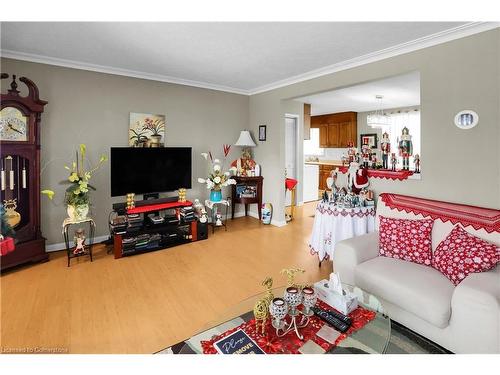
pixel 291 156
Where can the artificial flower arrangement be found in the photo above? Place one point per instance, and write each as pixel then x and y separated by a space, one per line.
pixel 77 194
pixel 217 178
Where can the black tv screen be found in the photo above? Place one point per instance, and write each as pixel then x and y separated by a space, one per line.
pixel 149 170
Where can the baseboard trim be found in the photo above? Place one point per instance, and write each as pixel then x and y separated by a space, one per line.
pixel 62 246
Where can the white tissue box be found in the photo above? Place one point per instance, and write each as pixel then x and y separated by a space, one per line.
pixel 343 303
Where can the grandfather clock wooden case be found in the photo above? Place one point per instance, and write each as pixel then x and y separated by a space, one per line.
pixel 20 170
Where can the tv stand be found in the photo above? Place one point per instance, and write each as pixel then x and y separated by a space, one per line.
pixel 172 234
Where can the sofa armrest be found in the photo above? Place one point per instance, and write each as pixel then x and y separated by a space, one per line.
pixel 349 253
pixel 475 308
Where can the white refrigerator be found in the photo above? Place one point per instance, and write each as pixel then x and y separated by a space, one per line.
pixel 311 182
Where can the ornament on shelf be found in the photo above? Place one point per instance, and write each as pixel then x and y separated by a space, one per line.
pixel 182 195
pixel 405 146
pixel 365 153
pixel 130 201
pixel 416 160
pixel 357 178
pixel 385 147
pixel 79 241
pixel 394 161
pixel 261 307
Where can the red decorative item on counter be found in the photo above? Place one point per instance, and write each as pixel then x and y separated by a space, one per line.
pixel 382 173
pixel 290 343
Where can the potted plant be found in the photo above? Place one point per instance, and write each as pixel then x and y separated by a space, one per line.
pixel 155 127
pixel 77 196
pixel 216 177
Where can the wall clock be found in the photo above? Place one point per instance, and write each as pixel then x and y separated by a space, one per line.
pixel 20 118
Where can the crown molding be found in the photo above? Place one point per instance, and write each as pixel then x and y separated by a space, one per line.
pixel 116 71
pixel 400 49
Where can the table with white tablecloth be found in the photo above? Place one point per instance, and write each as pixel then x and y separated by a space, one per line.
pixel 333 224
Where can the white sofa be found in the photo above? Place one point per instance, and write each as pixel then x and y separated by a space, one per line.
pixel 462 319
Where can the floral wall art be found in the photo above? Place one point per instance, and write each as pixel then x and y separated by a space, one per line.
pixel 146 130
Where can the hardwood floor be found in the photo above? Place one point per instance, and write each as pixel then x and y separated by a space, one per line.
pixel 144 303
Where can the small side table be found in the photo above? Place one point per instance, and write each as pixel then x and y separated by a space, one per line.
pixel 210 205
pixel 67 223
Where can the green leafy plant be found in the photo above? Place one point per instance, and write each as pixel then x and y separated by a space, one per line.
pixel 77 193
pixel 5 229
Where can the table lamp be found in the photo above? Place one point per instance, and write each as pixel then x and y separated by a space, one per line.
pixel 245 140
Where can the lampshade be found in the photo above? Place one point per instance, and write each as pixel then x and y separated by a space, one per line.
pixel 245 139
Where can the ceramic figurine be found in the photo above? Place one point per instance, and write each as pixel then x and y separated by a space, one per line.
pixel 218 219
pixel 394 161
pixel 357 178
pixel 385 147
pixel 267 213
pixel 416 160
pixel 405 146
pixel 365 153
pixel 79 241
pixel 374 160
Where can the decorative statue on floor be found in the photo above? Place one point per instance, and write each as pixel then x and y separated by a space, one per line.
pixel 394 161
pixel 405 146
pixel 416 160
pixel 385 147
pixel 261 307
pixel 357 178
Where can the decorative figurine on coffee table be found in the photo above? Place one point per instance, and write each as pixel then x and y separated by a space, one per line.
pixel 261 307
pixel 290 274
pixel 405 146
pixel 385 147
pixel 416 160
pixel 394 161
pixel 79 241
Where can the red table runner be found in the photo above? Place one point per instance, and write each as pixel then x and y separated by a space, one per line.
pixel 384 173
pixel 290 343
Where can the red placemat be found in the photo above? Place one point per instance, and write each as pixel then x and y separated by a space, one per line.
pixel 290 343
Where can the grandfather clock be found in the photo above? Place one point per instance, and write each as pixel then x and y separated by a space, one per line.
pixel 20 171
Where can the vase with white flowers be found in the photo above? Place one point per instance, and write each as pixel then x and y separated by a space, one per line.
pixel 217 178
pixel 77 197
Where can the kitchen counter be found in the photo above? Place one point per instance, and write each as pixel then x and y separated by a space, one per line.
pixel 336 163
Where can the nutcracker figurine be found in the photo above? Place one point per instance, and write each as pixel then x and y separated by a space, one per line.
pixel 416 160
pixel 394 161
pixel 373 159
pixel 365 153
pixel 405 146
pixel 385 147
pixel 351 152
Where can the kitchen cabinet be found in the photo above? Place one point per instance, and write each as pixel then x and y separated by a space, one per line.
pixel 336 130
pixel 307 121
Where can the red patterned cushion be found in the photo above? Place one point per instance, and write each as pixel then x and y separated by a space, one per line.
pixel 461 253
pixel 406 239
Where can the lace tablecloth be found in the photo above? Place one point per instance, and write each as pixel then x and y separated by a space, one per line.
pixel 333 224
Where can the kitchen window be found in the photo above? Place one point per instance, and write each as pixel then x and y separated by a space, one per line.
pixel 311 146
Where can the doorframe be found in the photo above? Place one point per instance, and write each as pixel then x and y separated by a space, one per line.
pixel 298 160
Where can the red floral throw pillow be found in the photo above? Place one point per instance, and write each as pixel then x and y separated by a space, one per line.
pixel 461 253
pixel 406 239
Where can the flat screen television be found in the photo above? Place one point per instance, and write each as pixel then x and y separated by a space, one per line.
pixel 149 170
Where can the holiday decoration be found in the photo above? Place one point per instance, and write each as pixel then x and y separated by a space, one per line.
pixel 405 146
pixel 416 161
pixel 261 307
pixel 365 153
pixel 351 152
pixel 385 147
pixel 357 178
pixel 394 161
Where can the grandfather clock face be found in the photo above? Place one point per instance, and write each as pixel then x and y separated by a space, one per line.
pixel 13 125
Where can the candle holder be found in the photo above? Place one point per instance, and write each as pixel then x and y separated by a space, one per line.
pixel 287 307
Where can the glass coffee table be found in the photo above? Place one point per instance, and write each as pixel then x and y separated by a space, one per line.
pixel 373 338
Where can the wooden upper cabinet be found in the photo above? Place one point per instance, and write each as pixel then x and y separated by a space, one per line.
pixel 307 121
pixel 323 136
pixel 336 129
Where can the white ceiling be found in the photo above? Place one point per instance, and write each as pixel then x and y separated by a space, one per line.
pixel 399 91
pixel 239 57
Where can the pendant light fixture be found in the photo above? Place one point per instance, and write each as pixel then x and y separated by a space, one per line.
pixel 378 119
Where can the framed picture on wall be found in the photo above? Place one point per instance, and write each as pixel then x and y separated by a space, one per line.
pixel 369 139
pixel 262 132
